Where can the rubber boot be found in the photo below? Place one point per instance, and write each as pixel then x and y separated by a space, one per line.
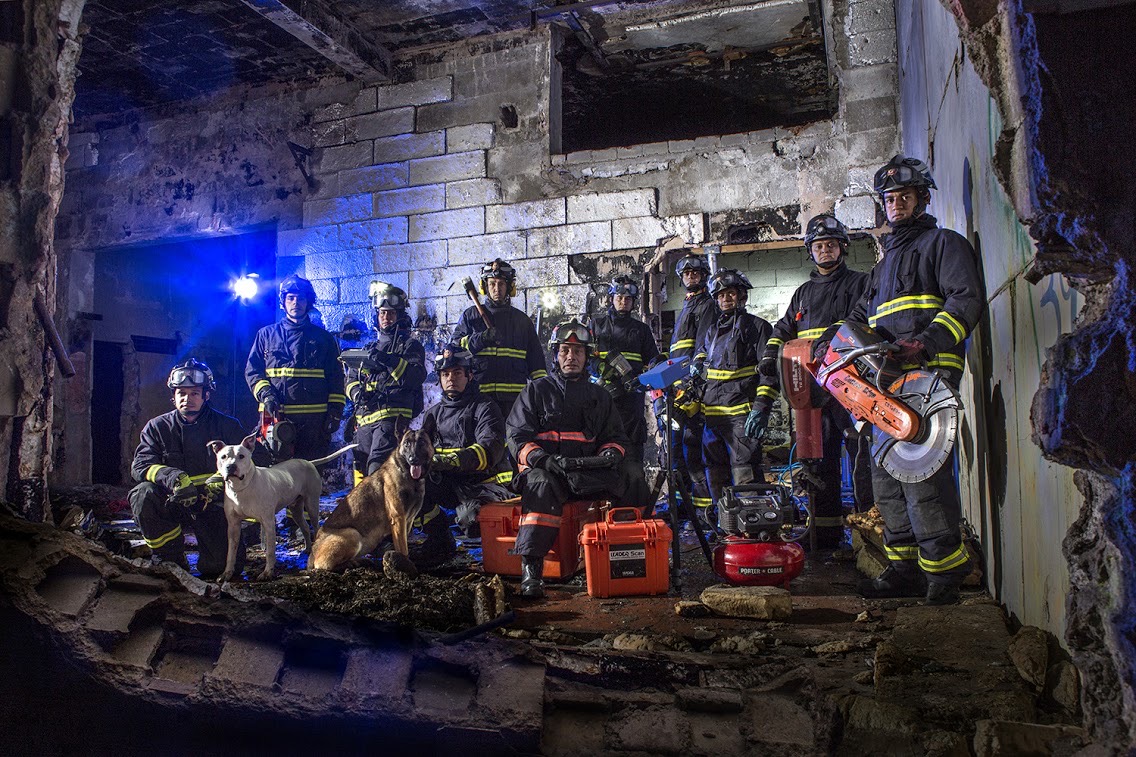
pixel 893 584
pixel 438 546
pixel 941 594
pixel 532 577
pixel 172 556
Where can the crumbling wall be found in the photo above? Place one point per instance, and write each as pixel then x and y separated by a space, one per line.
pixel 38 52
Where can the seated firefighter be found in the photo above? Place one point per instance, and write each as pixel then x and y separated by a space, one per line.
pixel 172 463
pixel 469 467
pixel 556 419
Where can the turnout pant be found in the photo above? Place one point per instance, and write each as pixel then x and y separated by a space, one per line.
pixel 731 456
pixel 686 456
pixel 631 408
pixel 921 524
pixel 376 441
pixel 828 507
pixel 464 495
pixel 162 524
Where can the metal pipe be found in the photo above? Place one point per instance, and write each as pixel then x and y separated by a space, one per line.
pixel 53 340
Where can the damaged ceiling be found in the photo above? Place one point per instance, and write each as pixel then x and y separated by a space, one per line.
pixel 743 65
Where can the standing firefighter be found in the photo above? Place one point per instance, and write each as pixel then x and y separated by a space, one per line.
pixel 825 299
pixel 172 464
pixel 556 419
pixel 925 296
pixel 624 345
pixel 293 372
pixel 506 352
pixel 727 360
pixel 699 313
pixel 387 388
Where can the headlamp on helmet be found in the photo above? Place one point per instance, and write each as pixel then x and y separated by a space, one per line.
pixel 453 356
pixel 571 332
pixel 726 278
pixel 384 295
pixel 190 373
pixel 901 172
pixel 825 226
pixel 498 269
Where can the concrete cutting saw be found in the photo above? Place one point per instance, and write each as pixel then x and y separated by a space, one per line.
pixel 914 411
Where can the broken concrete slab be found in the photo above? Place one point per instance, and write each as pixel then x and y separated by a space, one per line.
pixel 1029 649
pixel 1000 738
pixel 758 602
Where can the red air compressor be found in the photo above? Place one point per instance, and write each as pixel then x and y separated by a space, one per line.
pixel 762 523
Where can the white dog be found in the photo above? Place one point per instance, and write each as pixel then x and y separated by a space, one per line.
pixel 259 493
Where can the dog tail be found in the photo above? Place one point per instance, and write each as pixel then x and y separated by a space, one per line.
pixel 333 455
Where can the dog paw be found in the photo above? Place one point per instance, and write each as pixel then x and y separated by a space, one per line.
pixel 264 576
pixel 224 576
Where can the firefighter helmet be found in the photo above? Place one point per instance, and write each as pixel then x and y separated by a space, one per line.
pixel 498 269
pixel 294 284
pixel 191 372
pixel 453 356
pixel 726 278
pixel 692 262
pixel 902 172
pixel 825 226
pixel 623 285
pixel 571 332
pixel 384 295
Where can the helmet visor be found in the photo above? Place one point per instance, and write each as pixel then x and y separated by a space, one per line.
pixel 827 224
pixel 691 263
pixel 629 288
pixel 572 333
pixel 181 377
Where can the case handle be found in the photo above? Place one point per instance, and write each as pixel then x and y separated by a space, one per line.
pixel 634 511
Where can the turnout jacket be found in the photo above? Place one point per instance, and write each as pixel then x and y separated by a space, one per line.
pixel 926 288
pixel 731 350
pixel 390 392
pixel 297 363
pixel 620 332
pixel 471 427
pixel 559 417
pixel 698 314
pixel 503 369
pixel 169 446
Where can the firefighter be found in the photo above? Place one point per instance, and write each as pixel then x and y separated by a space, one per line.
pixel 699 312
pixel 469 467
pixel 507 352
pixel 727 360
pixel 293 372
pixel 618 333
pixel 387 390
pixel 925 296
pixel 556 418
pixel 172 465
pixel 831 291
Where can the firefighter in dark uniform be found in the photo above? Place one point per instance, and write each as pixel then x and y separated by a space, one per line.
pixel 699 312
pixel 469 467
pixel 293 372
pixel 557 417
pixel 727 359
pixel 172 465
pixel 387 392
pixel 507 353
pixel 617 331
pixel 825 299
pixel 925 296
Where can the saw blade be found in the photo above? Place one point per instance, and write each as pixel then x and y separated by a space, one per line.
pixel 937 404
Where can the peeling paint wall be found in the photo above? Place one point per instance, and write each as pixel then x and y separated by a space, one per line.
pixel 1020 504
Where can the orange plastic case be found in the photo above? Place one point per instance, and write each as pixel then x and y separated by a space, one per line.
pixel 626 555
pixel 500 521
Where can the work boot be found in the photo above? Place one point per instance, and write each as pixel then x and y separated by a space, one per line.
pixel 941 594
pixel 892 584
pixel 532 577
pixel 438 546
pixel 170 557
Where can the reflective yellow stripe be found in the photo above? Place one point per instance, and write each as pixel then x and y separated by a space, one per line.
pixel 901 553
pixel 390 412
pixel 152 473
pixel 201 477
pixel 447 450
pixel 911 302
pixel 953 560
pixel 946 360
pixel 500 478
pixel 502 352
pixel 295 372
pixel 682 344
pixel 399 369
pixel 464 342
pixel 775 342
pixel 482 458
pixel 810 333
pixel 767 391
pixel 305 409
pixel 702 501
pixel 351 385
pixel 262 384
pixel 357 477
pixel 501 388
pixel 538 374
pixel 340 398
pixel 434 513
pixel 954 325
pixel 628 355
pixel 719 375
pixel 164 539
pixel 722 410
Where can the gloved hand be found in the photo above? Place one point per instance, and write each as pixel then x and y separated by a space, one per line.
pixel 820 349
pixel 355 393
pixel 756 421
pixel 184 492
pixel 442 461
pixel 613 456
pixel 767 366
pixel 483 339
pixel 270 405
pixel 550 463
pixel 698 369
pixel 910 351
pixel 331 423
pixel 214 489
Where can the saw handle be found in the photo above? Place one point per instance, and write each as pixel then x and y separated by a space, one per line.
pixel 881 349
pixel 471 290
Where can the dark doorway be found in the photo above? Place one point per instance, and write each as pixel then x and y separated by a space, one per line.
pixel 106 414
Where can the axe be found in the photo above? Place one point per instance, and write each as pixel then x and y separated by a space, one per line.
pixel 471 290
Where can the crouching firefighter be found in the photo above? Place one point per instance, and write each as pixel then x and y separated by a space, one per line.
pixel 172 465
pixel 386 386
pixel 469 466
pixel 556 421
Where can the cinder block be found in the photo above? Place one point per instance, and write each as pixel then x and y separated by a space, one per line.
pixel 525 215
pixel 357 288
pixel 117 607
pixel 867 82
pixel 334 265
pixel 707 144
pixel 307 241
pixel 453 167
pixel 329 133
pixel 857 212
pixel 327 290
pixel 680 145
pixel 447 224
pixel 363 102
pixel 338 209
pixel 469 137
pixel 872 147
pixel 870 16
pixel 609 205
pixel 870 49
pixel 874 113
pixel 651 730
pixel 404 202
pixel 570 239
pixel 344 157
pixel 600 156
pixel 512 686
pixel 381 124
pixel 861 180
pixel 542 272
pixel 433 281
pixel 411 257
pixel 508 246
pixel 648 230
pixel 469 192
pixel 407 146
pixel 421 92
pixel 374 178
pixel 378 673
pixel 372 233
pixel 250 661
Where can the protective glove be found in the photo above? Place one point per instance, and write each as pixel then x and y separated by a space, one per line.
pixel 910 351
pixel 820 349
pixel 270 405
pixel 355 393
pixel 184 493
pixel 612 455
pixel 483 339
pixel 331 424
pixel 214 489
pixel 698 369
pixel 550 463
pixel 442 461
pixel 767 366
pixel 756 421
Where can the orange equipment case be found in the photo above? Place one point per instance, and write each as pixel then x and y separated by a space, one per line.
pixel 626 555
pixel 500 521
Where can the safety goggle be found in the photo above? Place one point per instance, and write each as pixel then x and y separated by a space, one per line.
pixel 828 223
pixel 572 332
pixel 193 376
pixel 625 287
pixel 687 264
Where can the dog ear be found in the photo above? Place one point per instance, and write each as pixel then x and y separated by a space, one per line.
pixel 215 445
pixel 249 442
pixel 430 426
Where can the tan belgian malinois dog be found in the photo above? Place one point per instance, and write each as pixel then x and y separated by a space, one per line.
pixel 384 503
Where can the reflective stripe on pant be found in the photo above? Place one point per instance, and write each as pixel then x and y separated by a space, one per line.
pixel 376 441
pixel 687 442
pixel 543 495
pixel 731 456
pixel 921 524
pixel 162 524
